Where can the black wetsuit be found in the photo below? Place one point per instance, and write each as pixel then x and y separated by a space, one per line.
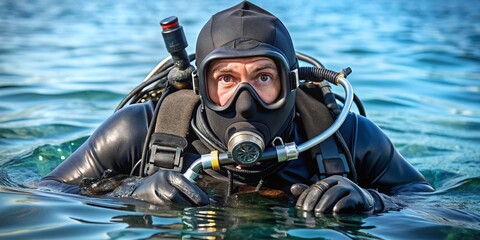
pixel 117 145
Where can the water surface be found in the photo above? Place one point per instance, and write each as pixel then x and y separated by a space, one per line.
pixel 65 65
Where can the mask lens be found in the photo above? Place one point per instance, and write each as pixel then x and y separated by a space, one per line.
pixel 264 77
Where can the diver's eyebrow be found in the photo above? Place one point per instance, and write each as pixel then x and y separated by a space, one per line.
pixel 263 66
pixel 221 68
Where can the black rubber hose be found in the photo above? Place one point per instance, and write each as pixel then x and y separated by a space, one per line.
pixel 318 74
pixel 247 174
pixel 230 183
pixel 329 98
pixel 311 60
pixel 160 73
pixel 159 85
pixel 348 156
pixel 358 103
pixel 139 88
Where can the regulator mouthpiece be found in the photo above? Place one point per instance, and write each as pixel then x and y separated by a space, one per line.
pixel 246 147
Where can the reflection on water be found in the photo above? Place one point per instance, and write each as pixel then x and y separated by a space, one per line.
pixel 64 67
pixel 64 216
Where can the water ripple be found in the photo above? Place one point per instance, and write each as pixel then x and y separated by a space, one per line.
pixel 64 67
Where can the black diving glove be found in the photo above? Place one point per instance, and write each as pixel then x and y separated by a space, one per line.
pixel 170 187
pixel 339 195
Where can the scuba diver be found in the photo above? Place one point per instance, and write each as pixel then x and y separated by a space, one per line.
pixel 248 114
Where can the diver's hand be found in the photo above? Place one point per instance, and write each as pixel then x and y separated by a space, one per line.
pixel 339 195
pixel 170 187
pixel 297 189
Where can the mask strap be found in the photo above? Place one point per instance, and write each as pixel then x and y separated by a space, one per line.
pixel 294 79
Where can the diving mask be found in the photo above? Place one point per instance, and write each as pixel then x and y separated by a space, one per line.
pixel 288 79
pixel 246 124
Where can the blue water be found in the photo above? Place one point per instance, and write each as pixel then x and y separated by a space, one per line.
pixel 65 65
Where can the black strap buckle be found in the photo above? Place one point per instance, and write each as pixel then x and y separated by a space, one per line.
pixel 165 153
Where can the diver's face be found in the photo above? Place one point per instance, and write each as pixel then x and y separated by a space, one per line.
pixel 225 75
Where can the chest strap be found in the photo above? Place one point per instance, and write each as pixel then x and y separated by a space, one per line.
pixel 171 128
pixel 330 161
pixel 316 118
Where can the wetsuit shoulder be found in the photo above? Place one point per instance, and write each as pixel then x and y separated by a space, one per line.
pixel 378 163
pixel 116 145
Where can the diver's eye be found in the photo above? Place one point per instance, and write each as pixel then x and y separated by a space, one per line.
pixel 264 78
pixel 225 78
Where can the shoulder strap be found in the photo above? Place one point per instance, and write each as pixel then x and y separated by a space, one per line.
pixel 176 112
pixel 316 118
pixel 171 128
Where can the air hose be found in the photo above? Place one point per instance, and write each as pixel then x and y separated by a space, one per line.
pixel 314 74
pixel 288 151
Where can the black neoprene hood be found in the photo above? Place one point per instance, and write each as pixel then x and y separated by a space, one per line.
pixel 246 30
pixel 243 27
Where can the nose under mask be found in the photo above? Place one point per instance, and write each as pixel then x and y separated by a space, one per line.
pixel 246 106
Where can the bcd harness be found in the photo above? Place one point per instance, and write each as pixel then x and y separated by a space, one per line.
pixel 173 122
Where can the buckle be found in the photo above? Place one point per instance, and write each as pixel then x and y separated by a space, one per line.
pixel 166 157
pixel 165 153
